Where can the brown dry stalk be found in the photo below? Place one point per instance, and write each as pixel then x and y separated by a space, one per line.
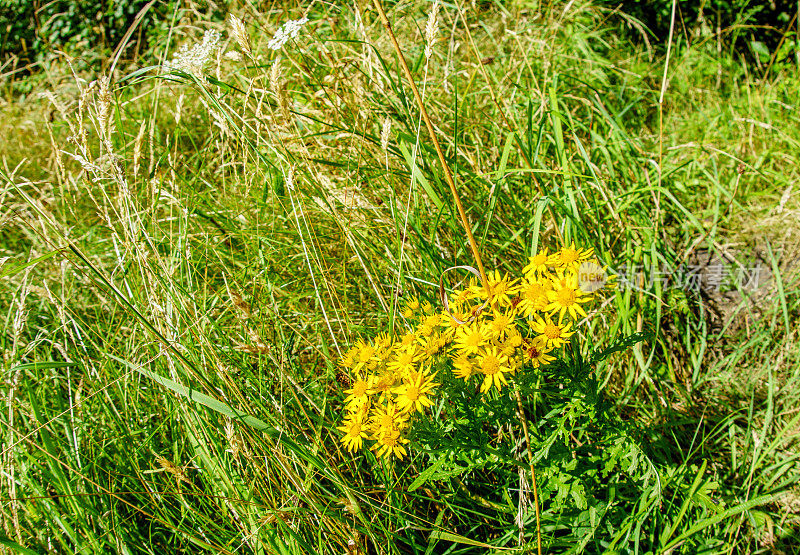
pixel 447 174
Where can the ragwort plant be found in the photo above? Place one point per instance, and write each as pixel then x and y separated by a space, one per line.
pixel 485 333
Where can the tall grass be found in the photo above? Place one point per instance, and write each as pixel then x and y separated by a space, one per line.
pixel 185 255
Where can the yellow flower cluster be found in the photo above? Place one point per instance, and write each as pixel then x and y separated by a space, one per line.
pixel 491 332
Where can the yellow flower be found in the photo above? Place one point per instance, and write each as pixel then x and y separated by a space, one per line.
pixel 387 417
pixel 570 258
pixel 434 344
pixel 534 296
pixel 500 289
pixel 492 364
pixel 463 367
pixel 413 395
pixel 566 296
pixel 358 409
pixel 390 443
pixel 471 337
pixel 364 355
pixel 411 307
pixel 554 335
pixel 536 353
pixel 404 359
pixel 537 265
pixel 383 384
pixel 348 360
pixel 511 344
pixel 354 431
pixel 408 339
pixel 433 320
pixel 359 393
pixel 502 323
pixel 458 297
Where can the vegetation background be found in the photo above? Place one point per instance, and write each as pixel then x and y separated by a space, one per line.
pixel 183 255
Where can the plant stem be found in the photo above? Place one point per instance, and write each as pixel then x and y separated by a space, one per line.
pixel 533 474
pixel 447 174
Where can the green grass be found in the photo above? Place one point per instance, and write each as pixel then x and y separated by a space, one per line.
pixel 171 324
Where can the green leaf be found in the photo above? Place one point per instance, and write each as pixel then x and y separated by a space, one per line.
pixel 621 345
pixel 14 546
pixel 426 474
pixel 13 270
pixel 202 398
pixel 716 519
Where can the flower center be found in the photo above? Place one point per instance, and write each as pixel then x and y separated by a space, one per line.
pixel 491 365
pixel 569 256
pixel 405 358
pixel 390 440
pixel 412 393
pixel 566 296
pixel 533 292
pixel 500 323
pixel 552 331
pixel 366 353
pixel 387 421
pixel 474 339
pixel 539 259
pixel 359 388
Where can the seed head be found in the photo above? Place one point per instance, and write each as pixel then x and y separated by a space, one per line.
pixel 240 34
pixel 431 29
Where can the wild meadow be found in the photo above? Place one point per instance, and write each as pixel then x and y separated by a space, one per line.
pixel 416 277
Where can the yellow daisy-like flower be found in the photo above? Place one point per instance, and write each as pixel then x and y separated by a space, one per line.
pixel 408 339
pixel 554 334
pixel 359 410
pixel 493 365
pixel 355 432
pixel 536 353
pixel 411 308
pixel 348 359
pixel 511 344
pixel 387 417
pixel 534 296
pixel 566 296
pixel 502 323
pixel 570 258
pixel 459 297
pixel 471 337
pixel 404 359
pixel 537 265
pixel 463 367
pixel 359 393
pixel 501 289
pixel 414 394
pixel 365 355
pixel 390 442
pixel 435 344
pixel 433 320
pixel 383 383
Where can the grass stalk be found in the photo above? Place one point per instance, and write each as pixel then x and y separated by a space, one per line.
pixel 429 125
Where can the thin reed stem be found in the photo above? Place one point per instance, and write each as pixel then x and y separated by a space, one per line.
pixel 447 173
pixel 535 488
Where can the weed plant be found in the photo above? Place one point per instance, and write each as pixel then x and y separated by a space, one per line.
pixel 189 248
